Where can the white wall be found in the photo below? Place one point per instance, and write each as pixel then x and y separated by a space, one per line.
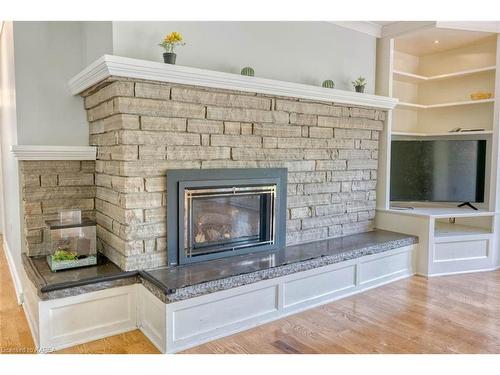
pixel 97 40
pixel 8 137
pixel 47 55
pixel 304 52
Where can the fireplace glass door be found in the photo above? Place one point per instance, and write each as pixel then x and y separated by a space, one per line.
pixel 226 219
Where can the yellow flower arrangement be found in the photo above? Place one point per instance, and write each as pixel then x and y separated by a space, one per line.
pixel 171 41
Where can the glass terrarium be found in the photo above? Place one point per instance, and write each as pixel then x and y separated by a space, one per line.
pixel 72 241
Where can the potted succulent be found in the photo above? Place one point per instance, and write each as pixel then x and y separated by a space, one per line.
pixel 248 71
pixel 171 41
pixel 359 84
pixel 328 84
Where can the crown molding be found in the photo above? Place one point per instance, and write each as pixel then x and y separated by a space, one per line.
pixel 26 152
pixel 366 27
pixel 485 26
pixel 116 66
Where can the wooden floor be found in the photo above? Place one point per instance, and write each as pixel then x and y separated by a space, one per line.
pixel 453 314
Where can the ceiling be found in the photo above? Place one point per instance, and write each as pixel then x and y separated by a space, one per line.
pixel 423 42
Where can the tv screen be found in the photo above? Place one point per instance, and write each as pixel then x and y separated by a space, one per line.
pixel 438 171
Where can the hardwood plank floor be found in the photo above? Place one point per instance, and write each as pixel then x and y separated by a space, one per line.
pixel 15 335
pixel 452 314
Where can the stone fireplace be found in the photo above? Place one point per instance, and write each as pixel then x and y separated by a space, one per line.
pixel 223 212
pixel 147 119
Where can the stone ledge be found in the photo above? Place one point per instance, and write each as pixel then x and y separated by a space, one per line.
pixel 179 283
pixel 52 285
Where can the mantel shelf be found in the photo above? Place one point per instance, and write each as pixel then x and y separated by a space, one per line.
pixel 116 66
pixel 416 78
pixel 29 152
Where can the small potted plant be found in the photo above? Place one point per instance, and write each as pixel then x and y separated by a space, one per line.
pixel 248 71
pixel 359 84
pixel 171 41
pixel 328 84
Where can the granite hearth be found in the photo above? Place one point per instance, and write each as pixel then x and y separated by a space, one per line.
pixel 71 282
pixel 171 284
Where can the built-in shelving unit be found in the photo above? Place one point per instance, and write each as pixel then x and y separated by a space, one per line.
pixel 433 72
pixel 434 83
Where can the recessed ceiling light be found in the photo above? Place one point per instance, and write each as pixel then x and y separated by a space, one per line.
pixel 436 42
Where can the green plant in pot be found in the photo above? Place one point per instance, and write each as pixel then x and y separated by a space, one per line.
pixel 247 71
pixel 171 41
pixel 359 84
pixel 60 255
pixel 328 84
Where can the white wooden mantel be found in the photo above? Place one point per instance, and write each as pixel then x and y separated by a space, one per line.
pixel 116 66
pixel 40 152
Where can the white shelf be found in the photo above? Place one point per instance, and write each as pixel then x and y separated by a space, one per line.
pixel 443 105
pixel 443 134
pixel 447 230
pixel 416 78
pixel 410 105
pixel 408 77
pixel 29 152
pixel 439 212
pixel 467 102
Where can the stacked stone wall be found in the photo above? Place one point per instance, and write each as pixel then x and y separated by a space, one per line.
pixel 49 187
pixel 142 129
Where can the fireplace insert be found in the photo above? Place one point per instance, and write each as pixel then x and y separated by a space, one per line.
pixel 217 213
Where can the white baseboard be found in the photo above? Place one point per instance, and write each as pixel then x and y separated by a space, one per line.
pixel 459 272
pixel 14 272
pixel 30 307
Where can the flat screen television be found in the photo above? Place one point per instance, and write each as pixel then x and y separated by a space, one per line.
pixel 438 170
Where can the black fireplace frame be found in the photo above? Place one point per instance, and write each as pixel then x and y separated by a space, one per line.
pixel 179 179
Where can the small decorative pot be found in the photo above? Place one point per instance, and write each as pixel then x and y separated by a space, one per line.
pixel 169 57
pixel 359 88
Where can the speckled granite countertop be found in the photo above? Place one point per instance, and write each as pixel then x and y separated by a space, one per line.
pixel 171 284
pixel 51 285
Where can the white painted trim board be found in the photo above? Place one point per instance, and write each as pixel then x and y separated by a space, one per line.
pixel 116 66
pixel 29 152
pixel 14 272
